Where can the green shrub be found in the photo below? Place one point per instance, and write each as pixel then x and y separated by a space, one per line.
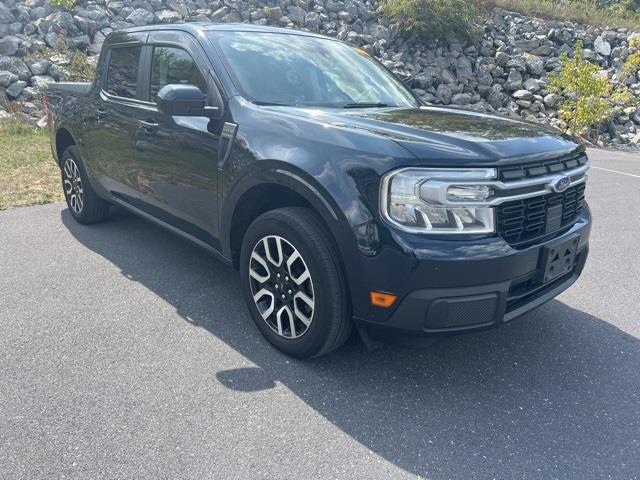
pixel 426 20
pixel 632 64
pixel 589 97
pixel 64 4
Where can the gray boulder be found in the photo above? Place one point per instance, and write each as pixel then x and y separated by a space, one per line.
pixel 551 100
pixel 312 21
pixel 448 77
pixel 344 16
pixel 552 64
pixel 333 5
pixel 522 95
pixel 51 39
pixel 535 65
pixel 81 42
pixel 140 16
pixel 444 94
pixel 7 78
pixel 296 14
pixel 40 67
pixel 15 66
pixel 484 77
pixel 518 62
pixel 514 81
pixel 497 100
pixel 461 99
pixel 9 45
pixel 86 25
pixel 590 55
pixel 528 45
pixel 542 50
pixel 464 69
pixel 15 89
pixel 62 22
pixel 502 58
pixel 423 81
pixel 533 85
pixel 168 16
pixel 602 46
pixel 96 45
pixel 6 16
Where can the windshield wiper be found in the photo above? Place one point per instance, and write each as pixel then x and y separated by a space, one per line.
pixel 365 105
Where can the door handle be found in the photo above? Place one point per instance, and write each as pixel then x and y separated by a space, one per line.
pixel 148 127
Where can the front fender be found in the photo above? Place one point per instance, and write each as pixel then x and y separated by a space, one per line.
pixel 281 174
pixel 337 213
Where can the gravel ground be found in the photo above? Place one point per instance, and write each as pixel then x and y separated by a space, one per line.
pixel 126 352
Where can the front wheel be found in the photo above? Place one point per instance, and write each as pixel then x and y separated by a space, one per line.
pixel 293 283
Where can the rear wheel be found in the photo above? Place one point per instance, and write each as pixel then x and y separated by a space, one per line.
pixel 84 204
pixel 293 284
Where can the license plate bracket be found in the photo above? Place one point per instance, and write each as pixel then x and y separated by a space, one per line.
pixel 560 258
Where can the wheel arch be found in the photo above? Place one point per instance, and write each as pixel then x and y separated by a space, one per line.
pixel 63 139
pixel 259 194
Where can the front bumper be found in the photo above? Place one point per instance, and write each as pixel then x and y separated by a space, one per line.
pixel 466 287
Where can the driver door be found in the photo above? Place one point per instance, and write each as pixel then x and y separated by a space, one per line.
pixel 177 157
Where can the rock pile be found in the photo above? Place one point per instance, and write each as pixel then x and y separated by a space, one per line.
pixel 505 71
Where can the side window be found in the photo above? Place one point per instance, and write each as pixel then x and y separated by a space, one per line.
pixel 122 73
pixel 174 65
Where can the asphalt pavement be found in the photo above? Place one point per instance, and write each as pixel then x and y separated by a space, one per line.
pixel 126 352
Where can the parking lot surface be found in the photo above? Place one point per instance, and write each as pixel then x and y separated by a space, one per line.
pixel 126 352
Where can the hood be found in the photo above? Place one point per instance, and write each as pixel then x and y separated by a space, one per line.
pixel 447 134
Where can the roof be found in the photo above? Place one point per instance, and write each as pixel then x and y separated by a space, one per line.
pixel 195 27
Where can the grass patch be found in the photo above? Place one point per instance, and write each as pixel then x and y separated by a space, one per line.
pixel 587 12
pixel 28 173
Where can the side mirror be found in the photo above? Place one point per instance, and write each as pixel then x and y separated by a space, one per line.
pixel 184 100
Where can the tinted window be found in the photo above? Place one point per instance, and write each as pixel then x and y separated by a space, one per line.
pixel 122 73
pixel 171 66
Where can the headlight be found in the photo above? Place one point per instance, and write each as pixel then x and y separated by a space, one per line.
pixel 439 201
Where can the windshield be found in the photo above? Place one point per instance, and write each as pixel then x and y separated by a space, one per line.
pixel 282 69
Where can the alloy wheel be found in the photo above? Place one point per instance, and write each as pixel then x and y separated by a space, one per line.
pixel 281 286
pixel 73 185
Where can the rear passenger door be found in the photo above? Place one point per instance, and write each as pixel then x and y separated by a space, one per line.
pixel 112 141
pixel 177 157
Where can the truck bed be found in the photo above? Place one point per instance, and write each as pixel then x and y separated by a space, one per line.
pixel 69 88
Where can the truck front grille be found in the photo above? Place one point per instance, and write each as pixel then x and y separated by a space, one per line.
pixel 521 221
pixel 538 169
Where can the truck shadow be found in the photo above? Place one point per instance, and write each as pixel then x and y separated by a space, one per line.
pixel 555 394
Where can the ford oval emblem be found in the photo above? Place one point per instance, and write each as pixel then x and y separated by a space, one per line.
pixel 561 184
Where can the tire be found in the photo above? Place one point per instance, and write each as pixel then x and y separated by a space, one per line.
pixel 269 249
pixel 84 204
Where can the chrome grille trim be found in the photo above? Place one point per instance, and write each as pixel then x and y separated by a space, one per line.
pixel 544 183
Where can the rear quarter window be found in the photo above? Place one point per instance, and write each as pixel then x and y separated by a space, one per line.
pixel 122 71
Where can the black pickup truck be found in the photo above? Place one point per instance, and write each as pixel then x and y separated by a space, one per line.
pixel 342 200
